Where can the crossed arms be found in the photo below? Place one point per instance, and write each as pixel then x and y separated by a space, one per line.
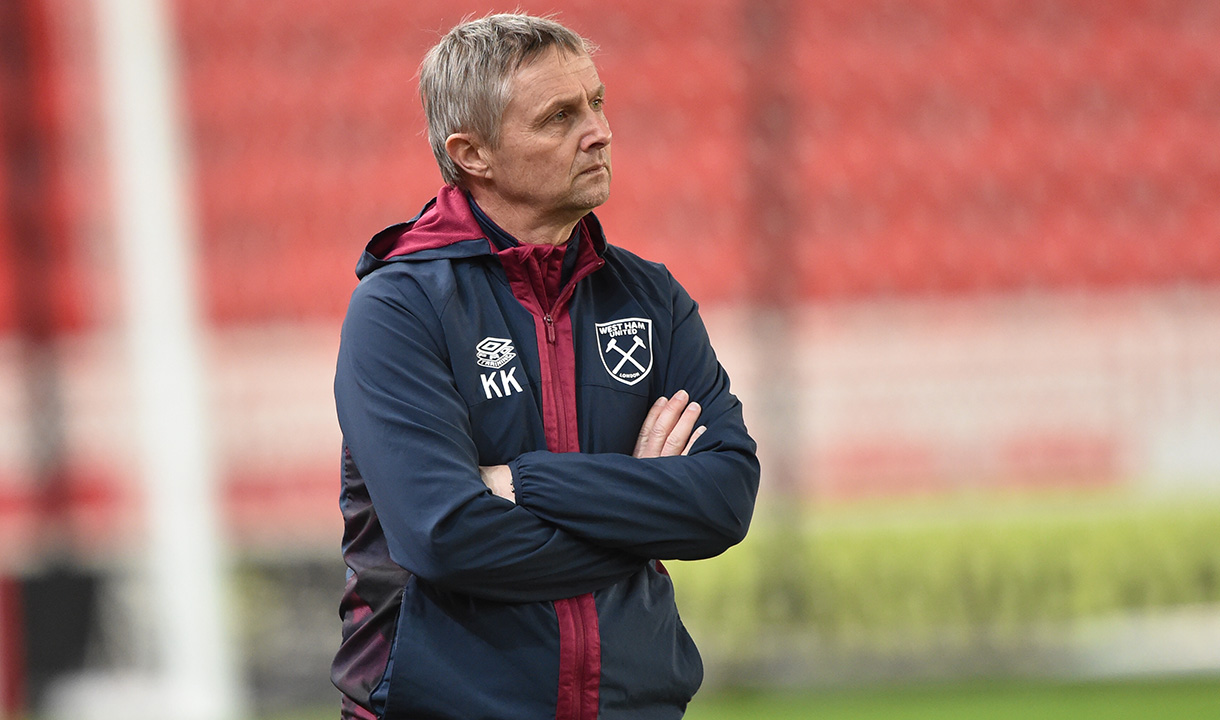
pixel 668 430
pixel 574 522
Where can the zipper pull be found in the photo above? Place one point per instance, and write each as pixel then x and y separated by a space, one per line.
pixel 550 328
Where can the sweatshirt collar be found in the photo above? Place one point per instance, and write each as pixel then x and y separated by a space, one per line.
pixel 502 240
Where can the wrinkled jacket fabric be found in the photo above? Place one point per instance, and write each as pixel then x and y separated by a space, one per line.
pixel 461 604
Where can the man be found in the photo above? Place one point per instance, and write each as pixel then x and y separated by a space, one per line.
pixel 519 403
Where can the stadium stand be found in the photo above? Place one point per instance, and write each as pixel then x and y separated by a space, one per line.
pixel 927 150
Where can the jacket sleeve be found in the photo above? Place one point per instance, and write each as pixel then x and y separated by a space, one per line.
pixel 409 434
pixel 683 507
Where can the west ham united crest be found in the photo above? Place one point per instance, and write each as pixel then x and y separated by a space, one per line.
pixel 626 348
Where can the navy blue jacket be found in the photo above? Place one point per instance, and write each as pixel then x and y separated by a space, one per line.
pixel 461 604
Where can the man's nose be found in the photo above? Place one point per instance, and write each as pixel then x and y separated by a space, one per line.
pixel 598 133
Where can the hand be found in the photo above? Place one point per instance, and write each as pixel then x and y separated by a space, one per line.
pixel 667 430
pixel 499 479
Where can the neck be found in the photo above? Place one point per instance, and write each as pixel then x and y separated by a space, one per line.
pixel 528 227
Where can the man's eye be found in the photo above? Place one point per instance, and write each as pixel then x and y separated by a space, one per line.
pixel 598 103
pixel 560 116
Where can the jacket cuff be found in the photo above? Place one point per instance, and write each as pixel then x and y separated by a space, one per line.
pixel 513 467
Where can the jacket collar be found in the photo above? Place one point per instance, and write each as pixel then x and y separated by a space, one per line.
pixel 445 228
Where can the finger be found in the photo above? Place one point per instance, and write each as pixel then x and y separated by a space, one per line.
pixel 681 432
pixel 650 420
pixel 670 413
pixel 694 436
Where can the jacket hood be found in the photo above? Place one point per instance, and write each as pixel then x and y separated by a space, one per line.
pixel 444 228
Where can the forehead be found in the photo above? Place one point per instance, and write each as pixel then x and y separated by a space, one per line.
pixel 552 74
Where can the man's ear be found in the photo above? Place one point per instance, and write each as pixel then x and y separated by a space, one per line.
pixel 467 152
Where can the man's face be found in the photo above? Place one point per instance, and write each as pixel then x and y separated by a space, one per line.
pixel 553 158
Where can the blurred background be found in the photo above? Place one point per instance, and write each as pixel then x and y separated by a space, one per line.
pixel 961 259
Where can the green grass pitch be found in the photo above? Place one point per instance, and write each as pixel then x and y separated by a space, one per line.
pixel 1197 698
pixel 1131 700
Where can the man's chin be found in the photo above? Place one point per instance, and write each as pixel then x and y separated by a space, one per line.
pixel 592 197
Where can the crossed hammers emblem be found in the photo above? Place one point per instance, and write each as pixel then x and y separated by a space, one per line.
pixel 626 354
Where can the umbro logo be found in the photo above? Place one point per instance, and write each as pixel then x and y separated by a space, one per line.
pixel 495 353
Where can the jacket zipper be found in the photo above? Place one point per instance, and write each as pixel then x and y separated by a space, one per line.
pixel 578 687
pixel 564 442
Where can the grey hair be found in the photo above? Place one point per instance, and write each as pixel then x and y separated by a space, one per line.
pixel 464 79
